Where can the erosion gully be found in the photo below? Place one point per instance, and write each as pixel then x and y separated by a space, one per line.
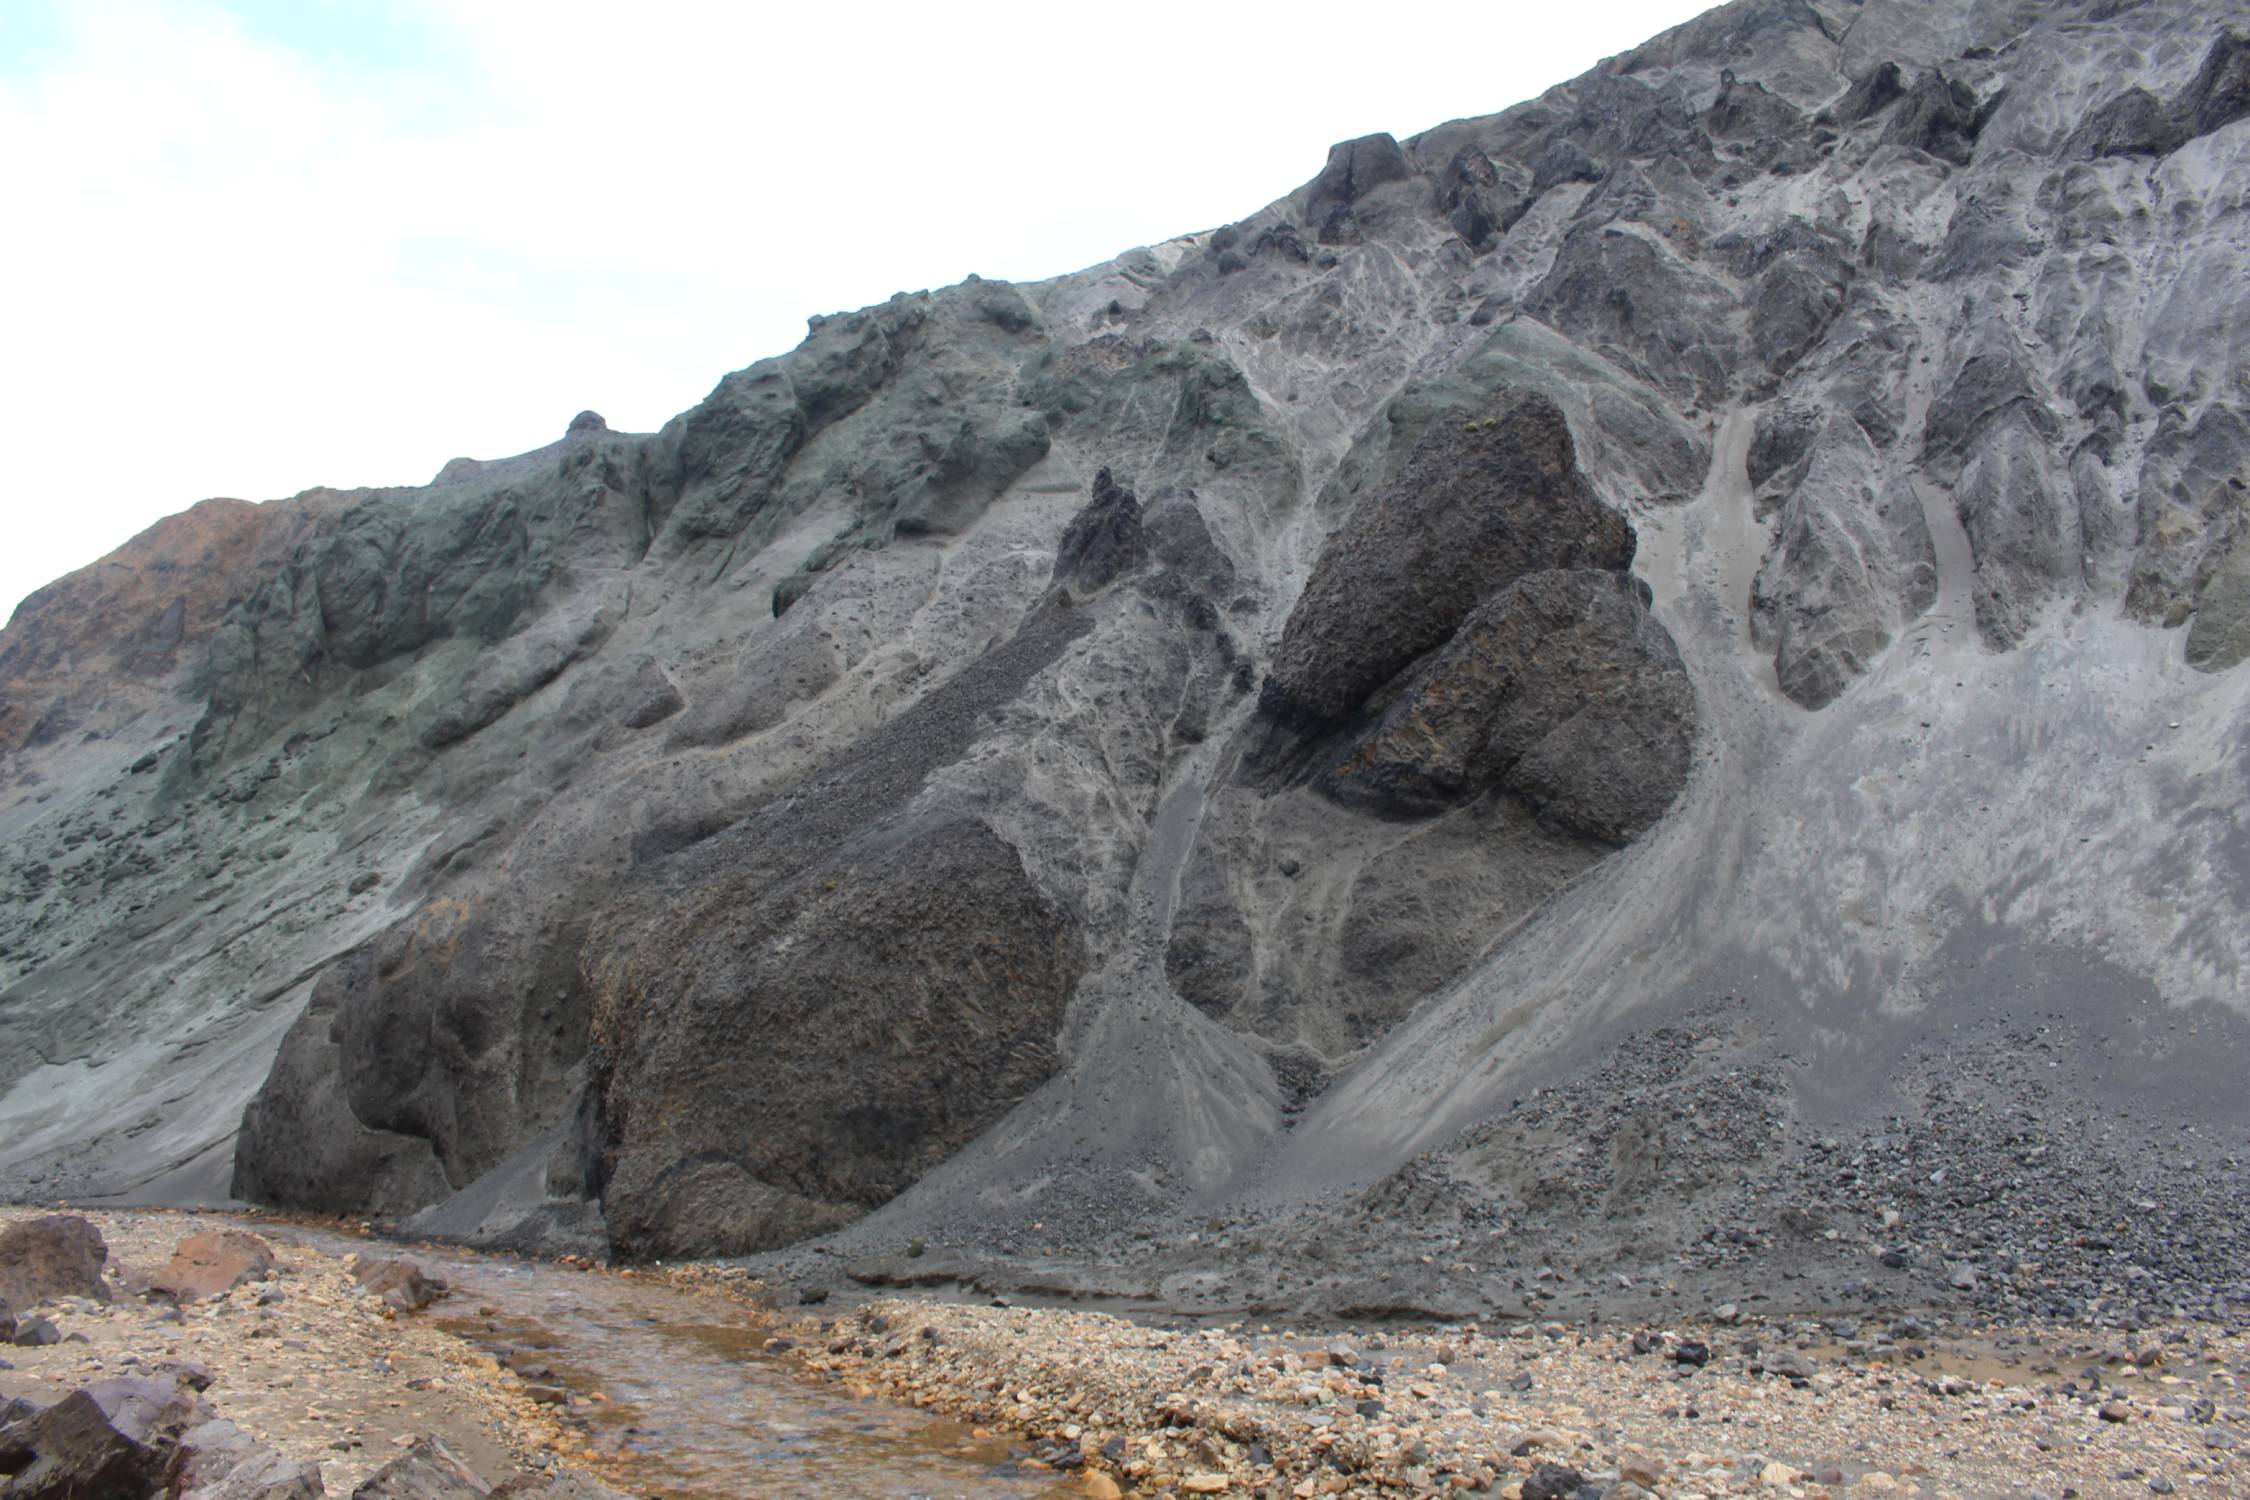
pixel 694 1405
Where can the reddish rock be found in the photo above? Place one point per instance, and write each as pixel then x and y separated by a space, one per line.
pixel 92 648
pixel 213 1263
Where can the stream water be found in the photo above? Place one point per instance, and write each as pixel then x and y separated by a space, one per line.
pixel 695 1408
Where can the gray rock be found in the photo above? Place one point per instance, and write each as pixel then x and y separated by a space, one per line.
pixel 1552 1482
pixel 1848 568
pixel 1355 169
pixel 537 883
pixel 117 1436
pixel 34 1331
pixel 652 698
pixel 429 1470
pixel 219 1461
pixel 1559 689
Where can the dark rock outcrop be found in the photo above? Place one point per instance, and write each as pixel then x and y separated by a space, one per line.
pixel 1559 689
pixel 1355 169
pixel 791 1053
pixel 1479 502
pixel 1102 541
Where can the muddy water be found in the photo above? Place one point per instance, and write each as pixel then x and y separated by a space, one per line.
pixel 694 1405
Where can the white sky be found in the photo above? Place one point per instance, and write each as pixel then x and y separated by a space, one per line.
pixel 254 246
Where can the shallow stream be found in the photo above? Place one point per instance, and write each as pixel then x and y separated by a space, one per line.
pixel 694 1405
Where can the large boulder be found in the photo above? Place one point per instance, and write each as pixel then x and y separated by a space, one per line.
pixel 787 1054
pixel 58 1255
pixel 1560 689
pixel 113 1438
pixel 1481 500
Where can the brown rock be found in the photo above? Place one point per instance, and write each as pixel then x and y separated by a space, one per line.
pixel 213 1263
pixel 1640 1469
pixel 60 1255
pixel 107 634
pixel 401 1284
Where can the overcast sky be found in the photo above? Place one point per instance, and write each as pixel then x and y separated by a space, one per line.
pixel 252 247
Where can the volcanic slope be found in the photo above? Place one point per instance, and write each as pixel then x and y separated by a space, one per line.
pixel 1642 693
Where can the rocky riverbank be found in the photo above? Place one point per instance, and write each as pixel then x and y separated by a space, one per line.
pixel 324 1359
pixel 1556 1412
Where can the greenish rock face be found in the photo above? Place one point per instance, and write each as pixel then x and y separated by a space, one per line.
pixel 1506 692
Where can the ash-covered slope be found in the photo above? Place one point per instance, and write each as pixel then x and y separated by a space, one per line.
pixel 1650 683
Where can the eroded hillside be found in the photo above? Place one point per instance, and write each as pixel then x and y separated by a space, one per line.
pixel 1649 681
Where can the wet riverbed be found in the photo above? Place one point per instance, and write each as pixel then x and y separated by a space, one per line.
pixel 694 1406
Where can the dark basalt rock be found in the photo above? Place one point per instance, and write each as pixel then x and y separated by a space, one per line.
pixel 1563 160
pixel 1781 448
pixel 1355 168
pixel 1938 115
pixel 786 1055
pixel 2136 123
pixel 2219 94
pixel 1872 92
pixel 1560 690
pixel 1475 201
pixel 1103 541
pixel 1802 274
pixel 424 1058
pixel 1850 563
pixel 1480 502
